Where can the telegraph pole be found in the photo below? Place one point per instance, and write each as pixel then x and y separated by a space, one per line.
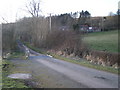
pixel 50 22
pixel 102 25
pixel 103 20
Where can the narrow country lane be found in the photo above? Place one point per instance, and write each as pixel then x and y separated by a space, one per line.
pixel 53 73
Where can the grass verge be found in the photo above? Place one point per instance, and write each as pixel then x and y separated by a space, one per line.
pixel 6 68
pixel 79 62
pixel 35 48
pixel 17 54
pixel 87 64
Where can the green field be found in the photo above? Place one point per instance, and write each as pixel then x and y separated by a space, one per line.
pixel 107 41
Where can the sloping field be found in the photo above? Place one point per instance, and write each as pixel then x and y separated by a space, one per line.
pixel 107 41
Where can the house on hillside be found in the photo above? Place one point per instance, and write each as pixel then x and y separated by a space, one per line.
pixel 89 29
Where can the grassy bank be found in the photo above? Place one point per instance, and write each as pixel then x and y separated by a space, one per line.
pixel 6 70
pixel 87 64
pixel 79 62
pixel 107 41
pixel 35 48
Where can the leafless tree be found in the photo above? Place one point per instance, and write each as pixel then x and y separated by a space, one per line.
pixel 4 20
pixel 8 40
pixel 33 8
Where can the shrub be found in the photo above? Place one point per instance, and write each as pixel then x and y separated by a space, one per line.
pixel 66 41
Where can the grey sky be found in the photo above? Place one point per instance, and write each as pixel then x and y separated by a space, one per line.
pixel 11 10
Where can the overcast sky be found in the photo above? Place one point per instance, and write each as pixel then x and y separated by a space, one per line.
pixel 11 10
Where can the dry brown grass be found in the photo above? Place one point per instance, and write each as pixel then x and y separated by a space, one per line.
pixel 104 58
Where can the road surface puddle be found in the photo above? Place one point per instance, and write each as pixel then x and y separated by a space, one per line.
pixel 20 76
